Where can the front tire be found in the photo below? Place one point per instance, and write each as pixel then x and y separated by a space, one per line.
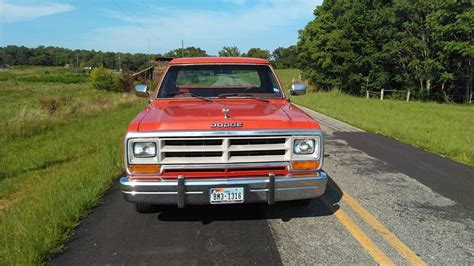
pixel 144 207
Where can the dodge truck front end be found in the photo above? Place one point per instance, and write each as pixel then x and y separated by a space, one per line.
pixel 231 136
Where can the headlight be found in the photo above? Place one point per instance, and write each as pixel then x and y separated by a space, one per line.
pixel 144 149
pixel 304 146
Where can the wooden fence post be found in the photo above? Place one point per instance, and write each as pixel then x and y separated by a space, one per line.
pixel 381 94
pixel 408 96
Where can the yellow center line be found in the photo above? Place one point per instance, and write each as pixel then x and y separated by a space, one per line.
pixel 390 237
pixel 364 240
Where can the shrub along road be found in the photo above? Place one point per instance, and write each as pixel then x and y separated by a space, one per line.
pixel 379 207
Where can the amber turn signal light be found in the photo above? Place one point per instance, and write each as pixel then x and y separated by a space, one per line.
pixel 304 165
pixel 144 168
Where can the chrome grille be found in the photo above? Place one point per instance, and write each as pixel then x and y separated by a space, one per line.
pixel 224 149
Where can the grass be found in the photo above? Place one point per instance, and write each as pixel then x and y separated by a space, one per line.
pixel 26 105
pixel 446 129
pixel 55 180
pixel 51 177
pixel 286 76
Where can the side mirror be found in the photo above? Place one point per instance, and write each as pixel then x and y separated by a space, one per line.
pixel 141 90
pixel 298 89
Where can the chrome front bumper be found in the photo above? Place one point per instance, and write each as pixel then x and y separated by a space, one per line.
pixel 184 191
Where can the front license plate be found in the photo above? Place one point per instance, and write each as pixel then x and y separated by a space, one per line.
pixel 227 195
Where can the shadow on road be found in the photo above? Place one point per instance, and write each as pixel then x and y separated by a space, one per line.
pixel 113 233
pixel 323 206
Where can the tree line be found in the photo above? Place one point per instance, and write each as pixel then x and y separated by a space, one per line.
pixel 57 56
pixel 425 46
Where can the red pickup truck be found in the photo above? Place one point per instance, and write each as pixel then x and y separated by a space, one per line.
pixel 220 130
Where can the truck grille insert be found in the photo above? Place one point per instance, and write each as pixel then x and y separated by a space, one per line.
pixel 193 142
pixel 241 149
pixel 257 153
pixel 193 154
pixel 257 141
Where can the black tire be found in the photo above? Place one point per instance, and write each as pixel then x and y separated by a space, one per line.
pixel 144 207
pixel 301 202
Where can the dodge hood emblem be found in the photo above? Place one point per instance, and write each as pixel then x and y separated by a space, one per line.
pixel 232 124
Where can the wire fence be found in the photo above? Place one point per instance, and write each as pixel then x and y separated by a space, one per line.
pixel 381 94
pixel 407 95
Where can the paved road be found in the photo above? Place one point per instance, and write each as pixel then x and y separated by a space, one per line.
pixel 386 203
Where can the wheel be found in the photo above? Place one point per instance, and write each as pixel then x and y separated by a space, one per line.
pixel 144 207
pixel 301 202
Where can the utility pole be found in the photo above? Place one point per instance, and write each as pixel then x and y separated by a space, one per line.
pixel 149 56
pixel 182 48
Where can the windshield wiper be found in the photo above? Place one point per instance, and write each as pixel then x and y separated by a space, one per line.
pixel 190 94
pixel 249 96
pixel 200 97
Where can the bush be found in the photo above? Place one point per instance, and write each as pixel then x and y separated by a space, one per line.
pixel 51 104
pixel 103 79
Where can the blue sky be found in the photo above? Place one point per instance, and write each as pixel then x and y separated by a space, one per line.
pixel 154 25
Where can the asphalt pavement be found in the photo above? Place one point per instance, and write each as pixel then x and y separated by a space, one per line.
pixel 386 203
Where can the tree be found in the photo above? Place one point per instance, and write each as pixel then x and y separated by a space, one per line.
pixel 229 51
pixel 285 57
pixel 187 52
pixel 452 25
pixel 425 46
pixel 258 53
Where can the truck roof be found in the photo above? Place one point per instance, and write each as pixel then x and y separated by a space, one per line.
pixel 218 60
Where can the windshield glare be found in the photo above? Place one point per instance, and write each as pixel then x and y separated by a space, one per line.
pixel 219 81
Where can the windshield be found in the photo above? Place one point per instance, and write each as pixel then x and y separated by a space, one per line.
pixel 220 81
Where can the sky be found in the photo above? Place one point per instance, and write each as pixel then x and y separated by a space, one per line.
pixel 154 26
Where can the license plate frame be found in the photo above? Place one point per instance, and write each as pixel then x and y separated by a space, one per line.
pixel 227 195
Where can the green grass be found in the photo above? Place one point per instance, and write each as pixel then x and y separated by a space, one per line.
pixel 446 129
pixel 55 179
pixel 57 168
pixel 25 109
pixel 286 76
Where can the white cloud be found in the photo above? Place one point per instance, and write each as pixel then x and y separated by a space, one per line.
pixel 255 26
pixel 14 12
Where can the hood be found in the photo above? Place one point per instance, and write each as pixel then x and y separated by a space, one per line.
pixel 198 115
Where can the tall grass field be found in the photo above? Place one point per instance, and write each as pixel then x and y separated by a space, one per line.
pixel 60 149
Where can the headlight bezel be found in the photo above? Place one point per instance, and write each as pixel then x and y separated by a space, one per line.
pixel 143 145
pixel 316 155
pixel 299 145
pixel 133 159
